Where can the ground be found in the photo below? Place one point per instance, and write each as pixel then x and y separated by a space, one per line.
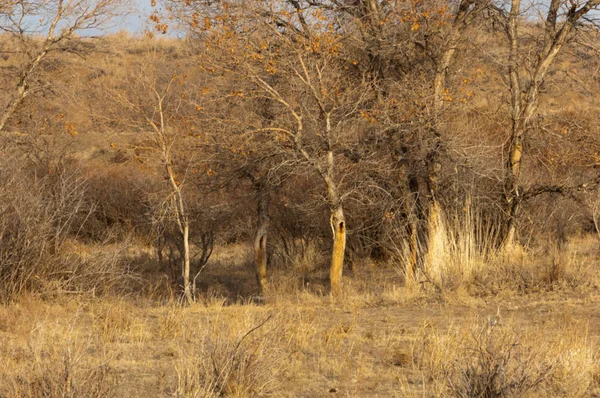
pixel 380 342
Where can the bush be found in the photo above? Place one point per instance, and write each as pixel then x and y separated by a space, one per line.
pixel 226 360
pixel 42 212
pixel 121 204
pixel 498 360
pixel 37 214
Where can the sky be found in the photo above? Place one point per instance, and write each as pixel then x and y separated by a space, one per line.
pixel 137 20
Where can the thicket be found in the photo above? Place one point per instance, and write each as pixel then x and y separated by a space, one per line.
pixel 395 128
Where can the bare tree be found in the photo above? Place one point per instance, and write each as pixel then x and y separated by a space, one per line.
pixel 560 24
pixel 389 34
pixel 59 21
pixel 290 61
pixel 461 17
pixel 297 66
pixel 323 161
pixel 156 101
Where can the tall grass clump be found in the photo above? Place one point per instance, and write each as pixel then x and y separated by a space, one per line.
pixel 464 251
pixel 230 357
pixel 459 247
pixel 496 360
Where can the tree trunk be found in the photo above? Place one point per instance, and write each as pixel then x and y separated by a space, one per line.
pixel 260 241
pixel 439 81
pixel 436 239
pixel 416 211
pixel 513 162
pixel 413 247
pixel 22 89
pixel 411 210
pixel 338 228
pixel 436 243
pixel 187 287
pixel 10 110
pixel 183 224
pixel 337 222
pixel 513 198
pixel 523 108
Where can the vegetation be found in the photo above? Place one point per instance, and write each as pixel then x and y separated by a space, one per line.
pixel 278 199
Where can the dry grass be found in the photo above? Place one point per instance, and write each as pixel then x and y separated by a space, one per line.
pixel 303 346
pixel 77 320
pixel 523 325
pixel 497 359
pixel 464 256
pixel 238 357
pixel 56 358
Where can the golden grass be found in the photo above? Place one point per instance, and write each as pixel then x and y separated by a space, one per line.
pixel 303 346
pixel 464 257
pixel 495 358
pixel 525 325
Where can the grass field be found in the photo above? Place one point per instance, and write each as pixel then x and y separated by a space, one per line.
pixel 379 340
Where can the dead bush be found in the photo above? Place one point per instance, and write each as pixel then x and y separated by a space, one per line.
pixel 105 269
pixel 531 270
pixel 230 359
pixel 38 212
pixel 43 212
pixel 121 204
pixel 499 360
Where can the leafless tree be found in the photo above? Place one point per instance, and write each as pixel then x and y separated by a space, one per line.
pixel 58 21
pixel 154 99
pixel 560 23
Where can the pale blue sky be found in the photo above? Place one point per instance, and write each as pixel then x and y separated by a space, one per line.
pixel 137 20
